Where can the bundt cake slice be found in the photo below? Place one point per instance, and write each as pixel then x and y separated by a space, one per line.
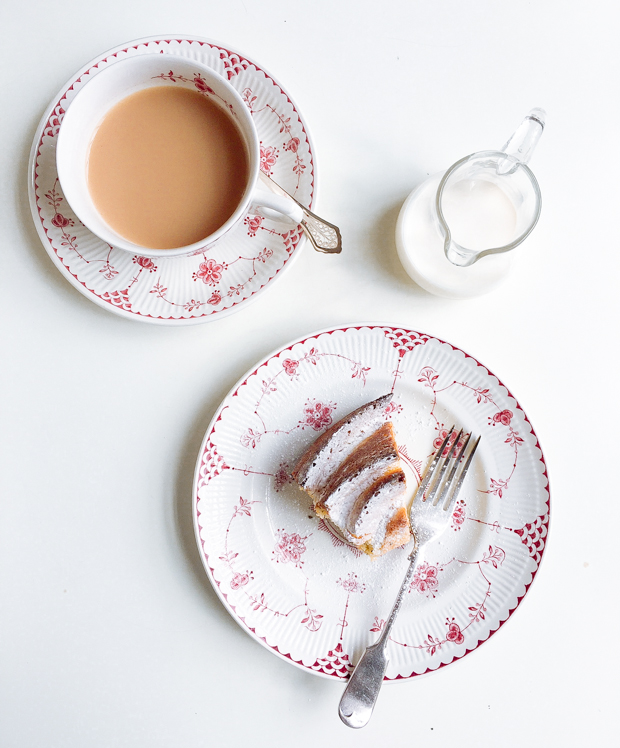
pixel 316 465
pixel 353 474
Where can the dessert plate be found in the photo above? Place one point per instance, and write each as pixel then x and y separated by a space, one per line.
pixel 287 577
pixel 186 290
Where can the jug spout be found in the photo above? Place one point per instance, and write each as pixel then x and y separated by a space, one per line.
pixel 524 140
pixel 460 256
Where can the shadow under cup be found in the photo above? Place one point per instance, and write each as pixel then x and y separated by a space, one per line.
pixel 115 83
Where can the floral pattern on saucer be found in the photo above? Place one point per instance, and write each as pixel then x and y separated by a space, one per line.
pixel 184 290
pixel 291 581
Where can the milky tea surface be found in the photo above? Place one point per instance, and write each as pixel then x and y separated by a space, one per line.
pixel 167 167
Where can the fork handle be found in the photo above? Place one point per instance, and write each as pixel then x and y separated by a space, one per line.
pixel 360 695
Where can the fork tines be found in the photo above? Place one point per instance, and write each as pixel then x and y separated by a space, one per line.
pixel 434 476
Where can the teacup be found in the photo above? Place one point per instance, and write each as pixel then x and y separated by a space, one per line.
pixel 118 81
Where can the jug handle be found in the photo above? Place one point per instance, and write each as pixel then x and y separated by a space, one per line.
pixel 524 140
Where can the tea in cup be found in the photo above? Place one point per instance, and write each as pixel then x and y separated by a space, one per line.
pixel 158 155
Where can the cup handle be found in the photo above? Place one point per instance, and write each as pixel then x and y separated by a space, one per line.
pixel 324 236
pixel 285 206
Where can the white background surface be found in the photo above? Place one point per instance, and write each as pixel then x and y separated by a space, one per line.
pixel 110 632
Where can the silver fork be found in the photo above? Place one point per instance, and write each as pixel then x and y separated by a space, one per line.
pixel 429 516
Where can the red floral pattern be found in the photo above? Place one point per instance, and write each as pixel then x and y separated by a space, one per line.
pixel 429 377
pixel 201 84
pixel 282 477
pixel 351 583
pixel 443 433
pixel 377 625
pixel 61 222
pixel 458 515
pixel 393 409
pixel 145 263
pixel 253 223
pixel 209 272
pixel 318 415
pixel 289 548
pixel 504 417
pixel 454 635
pixel 239 580
pixel 290 366
pixel 268 158
pixel 215 298
pixel 425 579
pixel 292 145
pixel 251 438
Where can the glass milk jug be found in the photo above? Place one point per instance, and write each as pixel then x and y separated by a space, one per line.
pixel 455 231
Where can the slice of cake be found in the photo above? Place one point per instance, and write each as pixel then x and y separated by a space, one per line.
pixel 353 474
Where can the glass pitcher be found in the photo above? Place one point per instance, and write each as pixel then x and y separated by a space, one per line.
pixel 455 229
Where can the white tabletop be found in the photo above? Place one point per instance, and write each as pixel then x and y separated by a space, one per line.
pixel 111 633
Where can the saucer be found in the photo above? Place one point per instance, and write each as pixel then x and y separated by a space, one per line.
pixel 185 290
pixel 291 581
